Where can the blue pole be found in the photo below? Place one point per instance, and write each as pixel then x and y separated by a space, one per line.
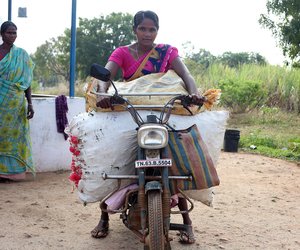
pixel 73 50
pixel 9 10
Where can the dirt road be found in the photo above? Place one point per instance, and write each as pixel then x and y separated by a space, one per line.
pixel 257 206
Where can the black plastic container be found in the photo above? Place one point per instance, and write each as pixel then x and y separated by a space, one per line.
pixel 231 140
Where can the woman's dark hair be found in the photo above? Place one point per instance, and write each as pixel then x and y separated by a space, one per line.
pixel 141 15
pixel 6 25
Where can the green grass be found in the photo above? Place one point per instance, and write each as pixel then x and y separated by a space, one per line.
pixel 280 86
pixel 274 133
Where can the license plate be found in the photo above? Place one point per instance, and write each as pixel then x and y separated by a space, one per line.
pixel 153 163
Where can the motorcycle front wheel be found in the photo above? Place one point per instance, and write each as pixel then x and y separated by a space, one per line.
pixel 155 220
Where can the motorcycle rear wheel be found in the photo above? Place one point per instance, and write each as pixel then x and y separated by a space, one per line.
pixel 155 220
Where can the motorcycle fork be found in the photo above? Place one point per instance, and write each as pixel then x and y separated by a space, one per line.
pixel 166 198
pixel 141 194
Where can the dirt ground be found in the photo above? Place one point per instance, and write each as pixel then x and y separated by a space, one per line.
pixel 257 206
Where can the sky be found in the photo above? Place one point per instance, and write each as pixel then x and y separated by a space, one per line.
pixel 217 26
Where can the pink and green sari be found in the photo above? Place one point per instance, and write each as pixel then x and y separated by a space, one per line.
pixel 16 70
pixel 159 60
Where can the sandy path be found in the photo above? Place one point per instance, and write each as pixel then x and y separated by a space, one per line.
pixel 257 206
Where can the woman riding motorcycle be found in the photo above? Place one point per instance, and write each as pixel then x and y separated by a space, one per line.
pixel 135 60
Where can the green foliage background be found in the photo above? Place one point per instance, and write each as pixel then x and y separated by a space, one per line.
pixel 251 86
pixel 264 104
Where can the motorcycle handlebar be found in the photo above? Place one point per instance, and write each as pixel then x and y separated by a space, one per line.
pixel 185 100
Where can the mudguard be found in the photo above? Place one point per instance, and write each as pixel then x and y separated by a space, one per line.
pixel 153 185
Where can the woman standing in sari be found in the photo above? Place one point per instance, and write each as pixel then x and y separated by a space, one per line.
pixel 16 68
pixel 135 60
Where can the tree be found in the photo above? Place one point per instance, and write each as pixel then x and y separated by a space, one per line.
pixel 203 57
pixel 96 39
pixel 234 60
pixel 283 19
pixel 197 61
pixel 50 62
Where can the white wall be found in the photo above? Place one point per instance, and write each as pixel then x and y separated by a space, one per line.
pixel 50 149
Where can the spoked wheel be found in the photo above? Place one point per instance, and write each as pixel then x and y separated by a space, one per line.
pixel 155 220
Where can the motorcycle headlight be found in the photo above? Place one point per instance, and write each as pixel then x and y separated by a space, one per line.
pixel 152 136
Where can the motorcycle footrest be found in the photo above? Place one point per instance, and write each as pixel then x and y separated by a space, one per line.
pixel 178 227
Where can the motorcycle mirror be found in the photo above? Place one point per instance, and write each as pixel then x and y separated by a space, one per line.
pixel 100 72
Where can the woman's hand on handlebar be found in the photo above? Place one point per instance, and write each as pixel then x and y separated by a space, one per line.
pixel 197 99
pixel 104 102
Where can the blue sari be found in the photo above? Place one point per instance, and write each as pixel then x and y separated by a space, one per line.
pixel 16 73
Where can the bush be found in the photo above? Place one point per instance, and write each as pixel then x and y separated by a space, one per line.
pixel 241 95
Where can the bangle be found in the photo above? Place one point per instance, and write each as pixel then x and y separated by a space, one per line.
pixel 29 104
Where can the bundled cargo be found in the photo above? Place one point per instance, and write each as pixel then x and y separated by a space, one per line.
pixel 105 142
pixel 168 82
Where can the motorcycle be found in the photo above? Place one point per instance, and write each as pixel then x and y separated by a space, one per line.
pixel 147 208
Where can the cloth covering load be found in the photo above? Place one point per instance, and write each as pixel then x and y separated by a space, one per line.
pixel 168 82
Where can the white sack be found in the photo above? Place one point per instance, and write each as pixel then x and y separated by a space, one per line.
pixel 108 144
